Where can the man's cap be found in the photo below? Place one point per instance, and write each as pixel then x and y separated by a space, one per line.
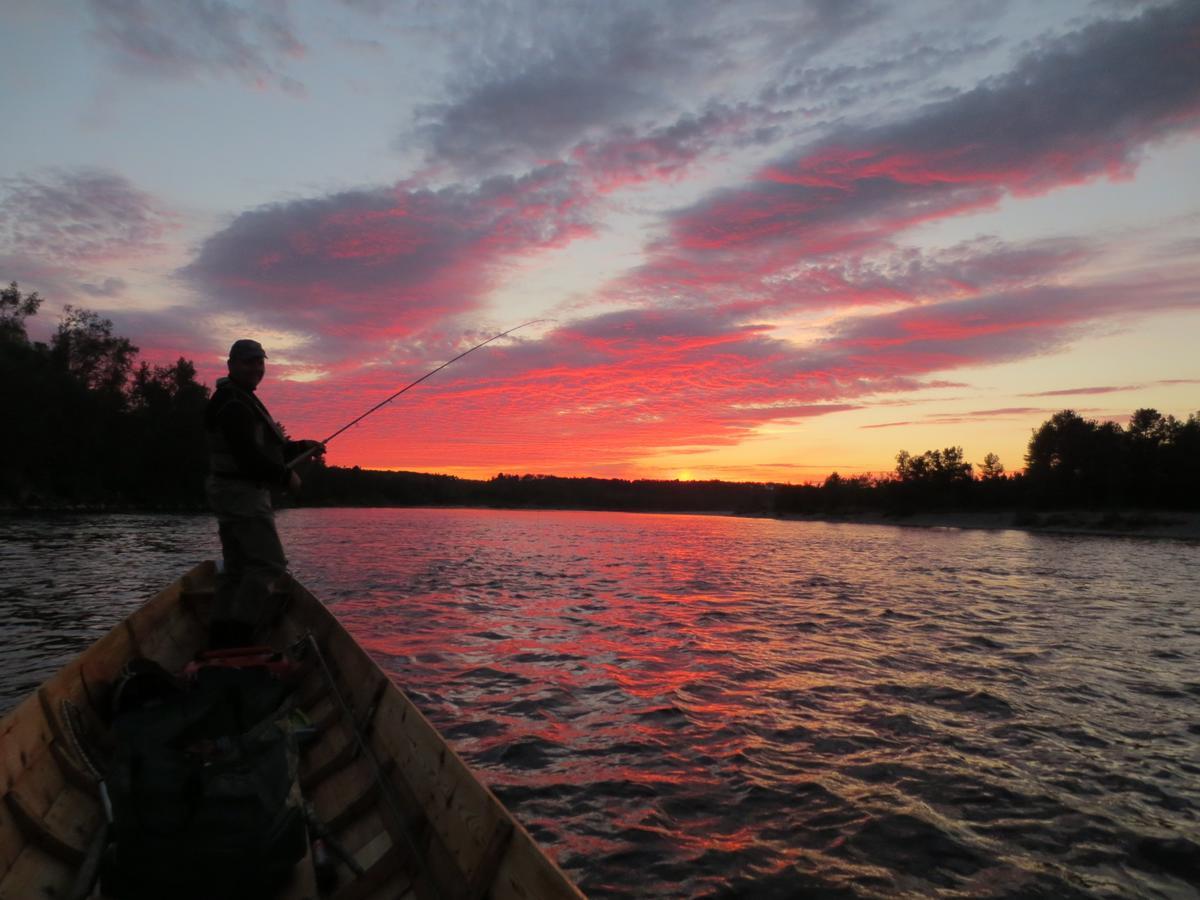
pixel 246 349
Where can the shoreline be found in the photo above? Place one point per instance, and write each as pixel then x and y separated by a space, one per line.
pixel 1180 525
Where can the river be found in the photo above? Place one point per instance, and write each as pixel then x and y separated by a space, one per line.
pixel 686 706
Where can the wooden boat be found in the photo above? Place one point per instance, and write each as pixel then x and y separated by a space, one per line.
pixel 390 790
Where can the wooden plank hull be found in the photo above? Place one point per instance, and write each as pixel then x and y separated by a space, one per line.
pixel 388 787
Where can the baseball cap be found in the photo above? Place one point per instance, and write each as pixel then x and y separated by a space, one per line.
pixel 246 349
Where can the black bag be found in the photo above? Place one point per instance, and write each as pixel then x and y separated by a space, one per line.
pixel 203 787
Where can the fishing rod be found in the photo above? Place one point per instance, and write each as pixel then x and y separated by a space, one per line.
pixel 321 446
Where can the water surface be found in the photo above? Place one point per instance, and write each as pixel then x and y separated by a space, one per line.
pixel 690 706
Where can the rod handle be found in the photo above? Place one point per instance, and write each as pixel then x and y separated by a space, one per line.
pixel 311 451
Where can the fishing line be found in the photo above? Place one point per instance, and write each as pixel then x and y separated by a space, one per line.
pixel 311 450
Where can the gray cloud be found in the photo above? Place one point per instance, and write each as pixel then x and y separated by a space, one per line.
pixel 549 79
pixel 1072 392
pixel 592 77
pixel 918 59
pixel 109 287
pixel 1110 389
pixel 190 39
pixel 627 156
pixel 959 418
pixel 1096 95
pixel 82 215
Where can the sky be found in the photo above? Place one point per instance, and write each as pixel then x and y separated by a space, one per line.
pixel 764 240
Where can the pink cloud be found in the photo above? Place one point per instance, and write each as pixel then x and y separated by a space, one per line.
pixel 388 262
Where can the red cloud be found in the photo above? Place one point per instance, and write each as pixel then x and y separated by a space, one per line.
pixel 595 395
pixel 607 390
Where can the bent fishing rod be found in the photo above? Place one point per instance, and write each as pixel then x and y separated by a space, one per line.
pixel 321 446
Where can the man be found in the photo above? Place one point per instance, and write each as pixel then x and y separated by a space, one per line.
pixel 247 455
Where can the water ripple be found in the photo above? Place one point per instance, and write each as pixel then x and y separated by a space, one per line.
pixel 743 708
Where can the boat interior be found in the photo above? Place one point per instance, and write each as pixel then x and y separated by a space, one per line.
pixel 407 817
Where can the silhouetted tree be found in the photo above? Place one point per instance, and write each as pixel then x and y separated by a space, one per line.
pixel 1073 461
pixel 1056 458
pixel 936 478
pixel 168 449
pixel 1182 461
pixel 82 426
pixel 85 346
pixel 1146 440
pixel 27 385
pixel 15 308
pixel 991 467
pixel 933 466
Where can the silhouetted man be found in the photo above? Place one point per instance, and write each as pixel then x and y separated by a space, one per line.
pixel 247 455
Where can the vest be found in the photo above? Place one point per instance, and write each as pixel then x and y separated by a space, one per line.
pixel 268 436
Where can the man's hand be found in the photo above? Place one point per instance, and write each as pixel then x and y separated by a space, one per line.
pixel 305 450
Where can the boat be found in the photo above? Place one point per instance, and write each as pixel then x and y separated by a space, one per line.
pixel 412 820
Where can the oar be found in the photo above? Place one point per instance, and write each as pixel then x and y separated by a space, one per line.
pixel 321 446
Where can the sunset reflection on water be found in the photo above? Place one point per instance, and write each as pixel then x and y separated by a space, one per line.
pixel 686 706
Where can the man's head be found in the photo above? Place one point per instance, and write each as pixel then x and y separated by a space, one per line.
pixel 246 363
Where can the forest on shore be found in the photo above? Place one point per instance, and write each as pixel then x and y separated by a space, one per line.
pixel 89 426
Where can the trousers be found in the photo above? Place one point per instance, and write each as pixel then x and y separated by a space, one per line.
pixel 254 556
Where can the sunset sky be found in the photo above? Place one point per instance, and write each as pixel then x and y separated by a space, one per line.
pixel 770 239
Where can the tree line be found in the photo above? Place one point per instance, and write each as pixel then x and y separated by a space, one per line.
pixel 335 486
pixel 90 425
pixel 1071 463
